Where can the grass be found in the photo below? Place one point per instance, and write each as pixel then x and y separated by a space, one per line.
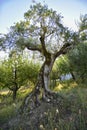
pixel 75 109
pixel 75 117
pixel 8 108
pixel 76 95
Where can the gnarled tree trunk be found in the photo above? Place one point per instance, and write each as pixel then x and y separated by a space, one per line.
pixel 41 90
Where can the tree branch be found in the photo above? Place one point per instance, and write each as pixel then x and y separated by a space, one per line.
pixel 25 43
pixel 71 40
pixel 43 36
pixel 11 88
pixel 33 48
pixel 64 49
pixel 44 51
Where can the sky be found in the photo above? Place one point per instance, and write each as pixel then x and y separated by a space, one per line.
pixel 12 11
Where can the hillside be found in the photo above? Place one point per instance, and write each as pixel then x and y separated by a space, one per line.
pixel 67 111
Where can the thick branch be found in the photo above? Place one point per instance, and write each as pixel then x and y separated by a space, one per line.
pixel 10 88
pixel 64 49
pixel 44 51
pixel 25 43
pixel 42 37
pixel 33 48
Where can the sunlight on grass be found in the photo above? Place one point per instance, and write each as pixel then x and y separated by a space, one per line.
pixel 8 108
pixel 24 92
pixel 59 87
pixel 4 92
pixel 65 85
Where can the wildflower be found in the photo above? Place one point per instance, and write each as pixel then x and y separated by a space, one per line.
pixel 14 104
pixel 41 126
pixel 57 111
pixel 45 113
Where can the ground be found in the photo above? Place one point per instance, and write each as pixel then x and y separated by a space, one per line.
pixel 66 111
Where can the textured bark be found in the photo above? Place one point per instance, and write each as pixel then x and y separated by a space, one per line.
pixel 41 90
pixel 43 80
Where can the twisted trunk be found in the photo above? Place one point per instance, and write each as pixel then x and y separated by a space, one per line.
pixel 44 78
pixel 41 90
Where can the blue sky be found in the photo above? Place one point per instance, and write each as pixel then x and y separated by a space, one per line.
pixel 12 11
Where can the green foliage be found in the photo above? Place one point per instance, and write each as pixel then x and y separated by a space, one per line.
pixel 83 23
pixel 39 20
pixel 83 28
pixel 12 71
pixel 25 70
pixel 17 71
pixel 77 59
pixel 8 108
pixel 31 71
pixel 63 65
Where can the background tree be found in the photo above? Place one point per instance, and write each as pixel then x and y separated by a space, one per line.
pixel 64 66
pixel 16 72
pixel 61 68
pixel 83 23
pixel 78 56
pixel 42 31
pixel 31 71
pixel 77 59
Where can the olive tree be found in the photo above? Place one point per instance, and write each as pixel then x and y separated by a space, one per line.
pixel 77 59
pixel 42 31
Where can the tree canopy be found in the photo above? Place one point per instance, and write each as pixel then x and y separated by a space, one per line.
pixel 42 30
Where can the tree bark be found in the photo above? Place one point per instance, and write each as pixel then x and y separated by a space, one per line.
pixel 73 76
pixel 14 94
pixel 41 90
pixel 15 89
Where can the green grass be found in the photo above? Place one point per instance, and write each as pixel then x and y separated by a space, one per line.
pixel 76 95
pixel 75 106
pixel 7 112
pixel 8 108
